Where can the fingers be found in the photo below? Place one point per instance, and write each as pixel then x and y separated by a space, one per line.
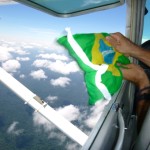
pixel 114 39
pixel 127 72
pixel 124 73
pixel 127 66
pixel 135 74
pixel 111 40
pixel 130 66
pixel 116 35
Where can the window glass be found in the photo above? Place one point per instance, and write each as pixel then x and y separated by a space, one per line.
pixel 67 6
pixel 146 31
pixel 28 51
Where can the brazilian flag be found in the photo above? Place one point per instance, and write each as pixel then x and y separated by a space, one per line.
pixel 98 59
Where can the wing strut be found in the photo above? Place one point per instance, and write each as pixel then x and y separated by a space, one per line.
pixel 43 108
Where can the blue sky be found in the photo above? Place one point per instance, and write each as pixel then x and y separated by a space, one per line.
pixel 19 22
pixel 146 31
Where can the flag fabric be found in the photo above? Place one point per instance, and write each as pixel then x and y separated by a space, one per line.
pixel 98 59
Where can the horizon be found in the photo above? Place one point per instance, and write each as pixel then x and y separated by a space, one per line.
pixel 21 23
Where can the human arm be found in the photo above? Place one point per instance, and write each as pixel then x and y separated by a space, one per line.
pixel 136 75
pixel 128 48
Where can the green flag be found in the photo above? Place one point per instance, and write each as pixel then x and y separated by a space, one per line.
pixel 97 58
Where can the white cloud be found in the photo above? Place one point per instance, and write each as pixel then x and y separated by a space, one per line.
pixel 61 81
pixel 95 114
pixel 22 76
pixel 53 56
pixel 20 51
pixel 29 46
pixel 54 46
pixel 39 74
pixel 7 48
pixel 89 117
pixel 57 66
pixel 11 65
pixel 70 112
pixel 63 67
pixel 39 120
pixel 41 63
pixel 6 2
pixel 23 58
pixel 52 99
pixel 88 2
pixel 12 129
pixel 72 146
pixel 4 54
pixel 58 135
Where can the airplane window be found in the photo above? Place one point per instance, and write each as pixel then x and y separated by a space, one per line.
pixel 146 31
pixel 67 6
pixel 29 52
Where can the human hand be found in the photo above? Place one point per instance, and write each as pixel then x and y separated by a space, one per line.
pixel 122 44
pixel 135 74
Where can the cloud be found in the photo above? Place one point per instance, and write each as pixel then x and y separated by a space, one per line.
pixel 39 74
pixel 53 56
pixel 88 2
pixel 39 121
pixel 22 76
pixel 88 118
pixel 41 63
pixel 95 113
pixel 7 2
pixel 52 99
pixel 11 65
pixel 63 67
pixel 23 58
pixel 57 66
pixel 54 46
pixel 72 146
pixel 58 135
pixel 12 129
pixel 20 51
pixel 7 48
pixel 70 112
pixel 61 81
pixel 5 55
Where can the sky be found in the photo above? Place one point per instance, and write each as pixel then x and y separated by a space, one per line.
pixel 22 23
pixel 24 30
pixel 146 31
pixel 29 52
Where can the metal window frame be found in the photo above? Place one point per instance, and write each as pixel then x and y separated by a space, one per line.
pixel 65 15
